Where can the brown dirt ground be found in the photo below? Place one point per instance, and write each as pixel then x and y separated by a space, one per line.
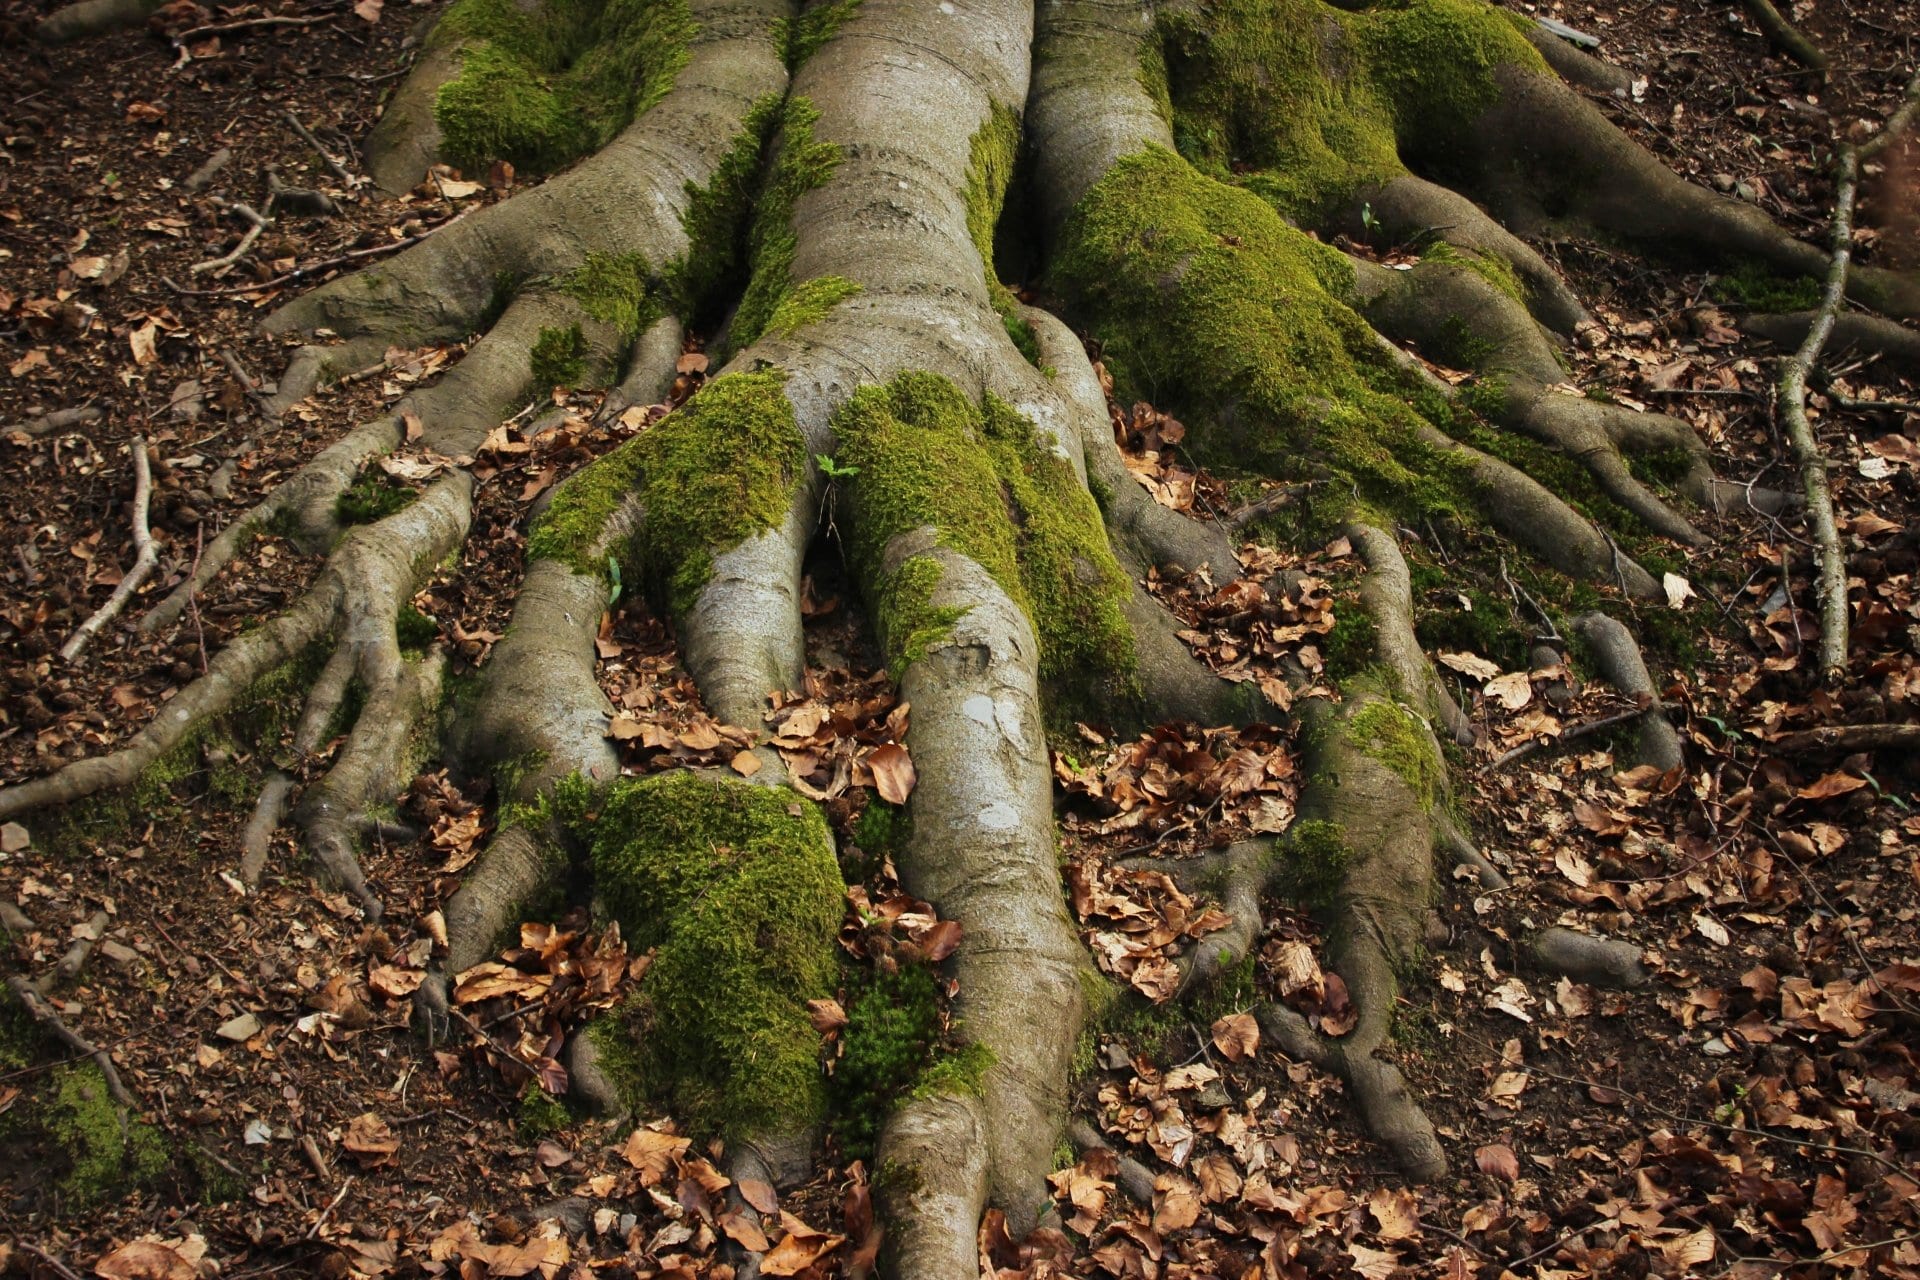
pixel 1636 1123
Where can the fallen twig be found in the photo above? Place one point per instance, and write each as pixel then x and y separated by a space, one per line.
pixel 249 24
pixel 1587 729
pixel 147 554
pixel 1849 737
pixel 257 224
pixel 327 264
pixel 1794 376
pixel 42 1012
pixel 58 420
pixel 340 171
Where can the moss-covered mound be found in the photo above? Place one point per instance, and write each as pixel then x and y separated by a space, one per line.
pixel 921 455
pixel 709 477
pixel 737 889
pixel 1272 362
pixel 543 84
pixel 1304 104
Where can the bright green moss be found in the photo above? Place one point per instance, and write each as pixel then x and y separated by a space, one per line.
pixel 538 1113
pixel 1391 734
pixel 717 472
pixel 614 289
pixel 1308 103
pixel 1314 856
pixel 802 36
pixel 546 84
pixel 995 150
pixel 372 496
pixel 107 1152
pixel 1758 287
pixel 960 1073
pixel 1270 365
pixel 717 215
pixel 1496 271
pixel 735 888
pixel 893 1026
pixel 800 165
pixel 559 358
pixel 807 302
pixel 982 479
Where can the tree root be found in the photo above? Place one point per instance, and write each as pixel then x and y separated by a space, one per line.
pixel 1445 306
pixel 1576 66
pixel 146 555
pixel 92 18
pixel 1598 962
pixel 1846 738
pixel 356 599
pixel 1560 135
pixel 1618 656
pixel 1862 334
pixel 1786 37
pixel 1133 1177
pixel 1411 209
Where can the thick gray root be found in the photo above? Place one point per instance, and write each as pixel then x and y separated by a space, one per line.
pixel 1542 136
pixel 1431 304
pixel 1388 822
pixel 1133 1177
pixel 1410 208
pixel 1143 532
pixel 1598 962
pixel 1578 67
pixel 375 568
pixel 629 198
pixel 1386 592
pixel 406 141
pixel 982 850
pixel 92 18
pixel 1617 655
pixel 1852 332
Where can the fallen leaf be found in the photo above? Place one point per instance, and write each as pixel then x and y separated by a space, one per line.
pixel 1497 1159
pixel 827 1015
pixel 1471 665
pixel 1237 1036
pixel 893 773
pixel 1678 590
pixel 154 1258
pixel 1513 690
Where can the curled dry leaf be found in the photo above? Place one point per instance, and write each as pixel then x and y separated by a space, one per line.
pixel 1237 1037
pixel 1497 1160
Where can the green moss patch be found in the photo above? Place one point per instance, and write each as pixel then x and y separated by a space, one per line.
pixel 803 36
pixel 736 888
pixel 807 302
pixel 979 476
pixel 720 470
pixel 1757 287
pixel 373 495
pixel 995 151
pixel 559 358
pixel 543 85
pixel 1393 735
pixel 800 165
pixel 1304 104
pixel 1269 365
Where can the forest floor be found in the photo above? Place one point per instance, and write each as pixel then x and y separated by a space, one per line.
pixel 1755 1107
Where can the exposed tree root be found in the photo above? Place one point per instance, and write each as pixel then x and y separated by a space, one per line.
pixel 984 511
pixel 1786 37
pixel 1617 656
pixel 1576 66
pixel 1838 739
pixel 92 18
pixel 1598 962
pixel 1861 334
pixel 58 420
